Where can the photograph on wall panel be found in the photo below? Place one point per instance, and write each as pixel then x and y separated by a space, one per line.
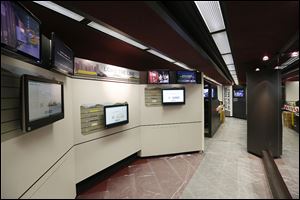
pixel 84 67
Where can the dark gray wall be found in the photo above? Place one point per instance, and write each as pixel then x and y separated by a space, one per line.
pixel 215 116
pixel 239 104
pixel 264 127
pixel 211 116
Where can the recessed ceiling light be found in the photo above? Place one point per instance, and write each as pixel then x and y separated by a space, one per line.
pixel 113 33
pixel 257 69
pixel 277 67
pixel 295 54
pixel 57 8
pixel 265 58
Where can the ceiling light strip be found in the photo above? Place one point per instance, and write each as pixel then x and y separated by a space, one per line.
pixel 182 65
pixel 211 14
pixel 160 55
pixel 212 80
pixel 57 8
pixel 119 36
pixel 222 42
pixel 228 59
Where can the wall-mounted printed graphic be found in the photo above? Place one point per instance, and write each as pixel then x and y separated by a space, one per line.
pixel 105 71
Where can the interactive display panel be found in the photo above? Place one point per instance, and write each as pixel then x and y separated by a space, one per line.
pixel 20 30
pixel 42 102
pixel 173 96
pixel 205 92
pixel 185 76
pixel 238 93
pixel 115 115
pixel 158 77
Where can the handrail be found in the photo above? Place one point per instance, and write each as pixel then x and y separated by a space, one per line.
pixel 276 182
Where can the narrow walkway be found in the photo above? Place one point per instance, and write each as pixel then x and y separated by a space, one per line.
pixel 227 170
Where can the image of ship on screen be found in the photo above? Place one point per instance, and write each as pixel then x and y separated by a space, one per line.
pixel 44 100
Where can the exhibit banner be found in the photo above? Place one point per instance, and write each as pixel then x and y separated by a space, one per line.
pixel 105 71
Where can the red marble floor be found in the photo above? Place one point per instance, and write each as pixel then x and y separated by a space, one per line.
pixel 148 178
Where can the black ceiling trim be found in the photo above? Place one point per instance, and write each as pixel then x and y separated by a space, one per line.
pixel 293 40
pixel 219 31
pixel 227 27
pixel 291 68
pixel 178 15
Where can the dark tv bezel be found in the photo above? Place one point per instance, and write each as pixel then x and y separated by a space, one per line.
pixel 20 54
pixel 195 73
pixel 28 126
pixel 172 103
pixel 55 36
pixel 238 96
pixel 158 70
pixel 118 123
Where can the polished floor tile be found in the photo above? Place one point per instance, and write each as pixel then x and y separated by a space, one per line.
pixel 225 170
pixel 148 178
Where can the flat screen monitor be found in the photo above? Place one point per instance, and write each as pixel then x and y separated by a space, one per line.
pixel 173 96
pixel 42 102
pixel 205 92
pixel 158 77
pixel 20 30
pixel 62 55
pixel 238 93
pixel 185 76
pixel 115 115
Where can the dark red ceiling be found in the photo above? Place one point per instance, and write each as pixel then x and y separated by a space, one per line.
pixel 258 28
pixel 136 19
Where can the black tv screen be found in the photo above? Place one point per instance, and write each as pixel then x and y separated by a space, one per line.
pixel 42 102
pixel 185 76
pixel 20 30
pixel 115 115
pixel 173 96
pixel 62 55
pixel 238 93
pixel 158 77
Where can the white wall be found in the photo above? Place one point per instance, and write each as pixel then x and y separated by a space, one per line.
pixel 48 162
pixel 94 156
pixel 173 128
pixel 292 90
pixel 220 93
pixel 24 159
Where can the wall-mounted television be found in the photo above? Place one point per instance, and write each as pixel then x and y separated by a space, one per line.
pixel 206 92
pixel 115 115
pixel 62 55
pixel 186 76
pixel 42 102
pixel 238 93
pixel 158 77
pixel 20 30
pixel 172 96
